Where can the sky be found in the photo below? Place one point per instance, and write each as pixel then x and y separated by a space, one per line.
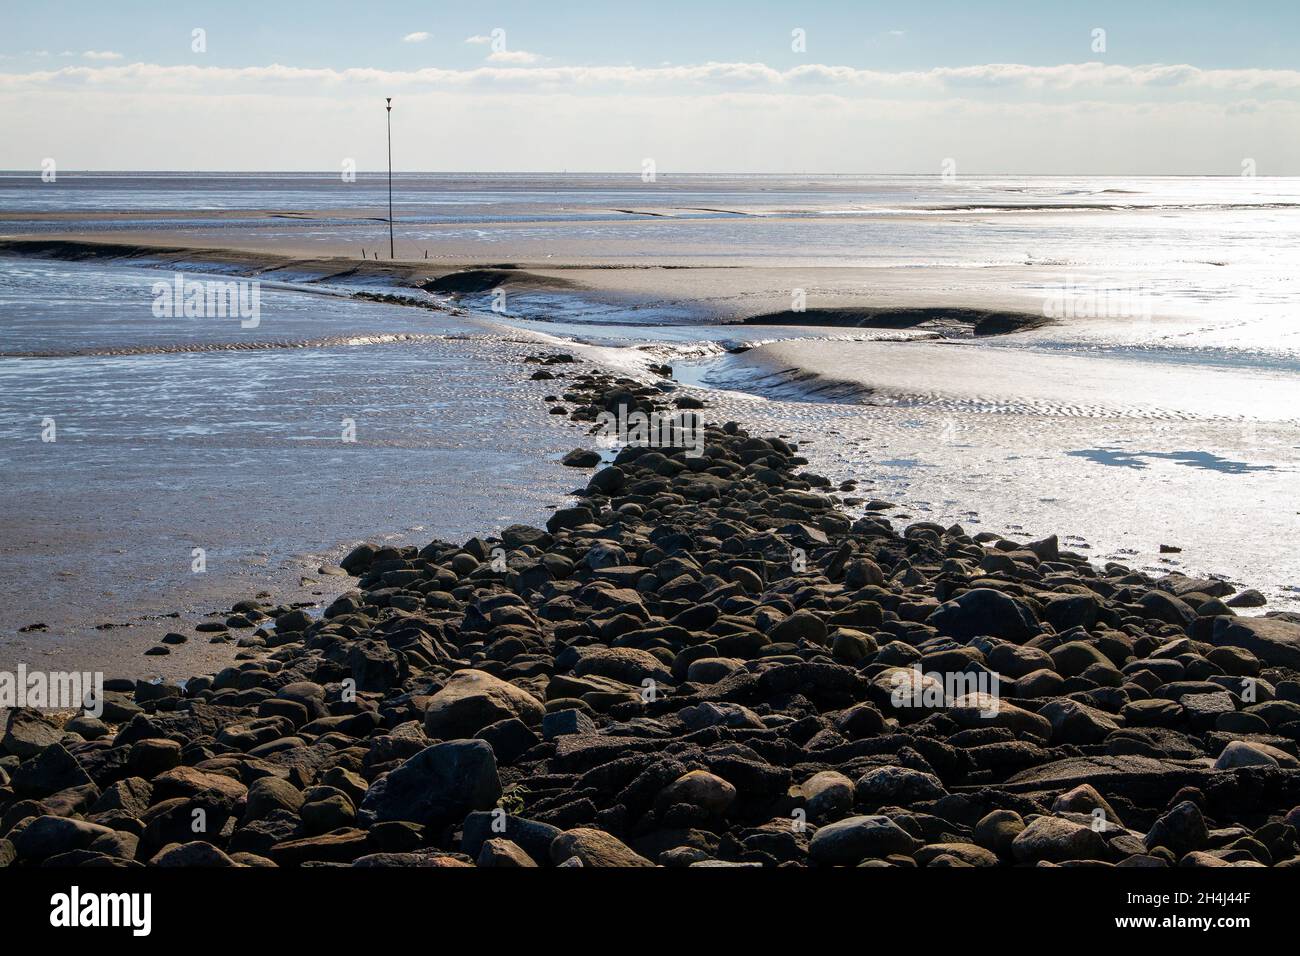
pixel 1064 87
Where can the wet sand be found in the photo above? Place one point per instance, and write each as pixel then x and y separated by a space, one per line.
pixel 1005 435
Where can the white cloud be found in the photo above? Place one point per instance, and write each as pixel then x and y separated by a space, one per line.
pixel 513 56
pixel 478 38
pixel 1092 79
pixel 702 132
pixel 418 37
pixel 708 117
pixel 101 55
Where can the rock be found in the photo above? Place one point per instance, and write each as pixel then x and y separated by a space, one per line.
pixel 801 626
pixel 1272 640
pixel 269 794
pixel 985 710
pixel 87 727
pixel 581 458
pixel 186 781
pixel 1167 608
pixel 341 846
pixel 594 848
pixel 710 714
pixel 52 770
pixel 1247 598
pixel 1245 753
pixel 28 732
pixel 849 646
pixel 1075 723
pixel 328 811
pixel 701 789
pixel 422 858
pixel 558 723
pixel 49 836
pixel 472 700
pixel 861 572
pixel 997 830
pixel 1234 660
pixel 153 756
pixel 984 611
pixel 1073 658
pixel 966 853
pixel 498 852
pixel 1011 660
pixel 565 518
pixel 439 785
pixel 627 664
pixel 509 739
pixel 827 795
pixel 1056 840
pixel 847 842
pixel 532 836
pixel 1085 799
pixel 197 853
pixel 1039 683
pixel 1155 712
pixel 1181 830
pixel 899 786
pixel 1072 610
pixel 133 796
pixel 358 559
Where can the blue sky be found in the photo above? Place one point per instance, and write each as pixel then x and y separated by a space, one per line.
pixel 344 33
pixel 1177 87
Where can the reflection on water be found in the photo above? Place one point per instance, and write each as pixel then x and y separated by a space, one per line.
pixel 242 453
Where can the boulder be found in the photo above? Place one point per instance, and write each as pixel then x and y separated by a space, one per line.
pixel 850 841
pixel 1055 840
pixel 474 699
pixel 984 611
pixel 595 848
pixel 1272 640
pixel 439 785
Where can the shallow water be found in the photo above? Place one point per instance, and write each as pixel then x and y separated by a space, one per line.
pixel 1160 408
pixel 240 453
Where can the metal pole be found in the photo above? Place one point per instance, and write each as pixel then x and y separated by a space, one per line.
pixel 391 254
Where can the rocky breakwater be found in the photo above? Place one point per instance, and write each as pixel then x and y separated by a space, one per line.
pixel 703 661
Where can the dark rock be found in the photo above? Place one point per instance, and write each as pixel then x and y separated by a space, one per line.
pixel 984 611
pixel 28 732
pixel 439 785
pixel 850 841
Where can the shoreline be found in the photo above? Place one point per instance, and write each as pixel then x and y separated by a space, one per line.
pixel 686 287
pixel 463 281
pixel 695 654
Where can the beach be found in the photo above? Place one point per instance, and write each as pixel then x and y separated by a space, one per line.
pixel 1088 412
pixel 702 662
pixel 997 535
